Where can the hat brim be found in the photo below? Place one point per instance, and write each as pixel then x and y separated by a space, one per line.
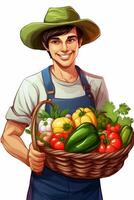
pixel 31 34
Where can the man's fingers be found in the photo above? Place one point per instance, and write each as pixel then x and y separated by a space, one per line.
pixel 38 165
pixel 34 162
pixel 36 153
pixel 35 158
pixel 37 169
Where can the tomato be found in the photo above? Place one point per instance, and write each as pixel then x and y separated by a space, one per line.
pixel 53 141
pixel 113 135
pixel 117 128
pixel 112 129
pixel 57 140
pixel 108 127
pixel 59 145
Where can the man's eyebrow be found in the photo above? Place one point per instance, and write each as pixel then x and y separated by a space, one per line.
pixel 54 38
pixel 72 36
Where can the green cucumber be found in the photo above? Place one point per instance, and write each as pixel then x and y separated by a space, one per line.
pixel 84 139
pixel 126 135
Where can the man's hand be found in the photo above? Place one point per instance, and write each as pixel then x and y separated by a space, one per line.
pixel 36 159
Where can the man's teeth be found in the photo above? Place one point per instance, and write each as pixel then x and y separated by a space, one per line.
pixel 64 56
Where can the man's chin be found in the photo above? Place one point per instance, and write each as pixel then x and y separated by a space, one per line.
pixel 64 64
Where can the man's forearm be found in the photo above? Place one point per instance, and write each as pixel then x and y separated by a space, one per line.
pixel 12 141
pixel 15 146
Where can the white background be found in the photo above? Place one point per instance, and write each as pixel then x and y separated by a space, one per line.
pixel 110 56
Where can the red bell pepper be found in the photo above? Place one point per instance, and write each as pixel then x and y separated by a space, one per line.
pixel 110 142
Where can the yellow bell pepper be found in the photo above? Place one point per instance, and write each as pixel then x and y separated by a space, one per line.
pixel 62 125
pixel 82 115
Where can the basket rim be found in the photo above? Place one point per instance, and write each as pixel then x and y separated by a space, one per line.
pixel 94 154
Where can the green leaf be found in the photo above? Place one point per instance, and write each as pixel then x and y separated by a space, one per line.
pixel 27 130
pixel 54 111
pixel 125 121
pixel 43 114
pixel 109 108
pixel 52 114
pixel 123 109
pixel 64 112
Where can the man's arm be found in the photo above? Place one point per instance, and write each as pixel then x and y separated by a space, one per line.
pixel 13 143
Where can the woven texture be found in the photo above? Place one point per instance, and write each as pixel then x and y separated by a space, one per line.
pixel 88 166
pixel 77 165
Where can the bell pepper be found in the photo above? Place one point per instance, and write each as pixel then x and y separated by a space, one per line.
pixel 83 139
pixel 110 142
pixel 82 115
pixel 62 125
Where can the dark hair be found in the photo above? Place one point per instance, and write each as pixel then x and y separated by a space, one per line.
pixel 47 35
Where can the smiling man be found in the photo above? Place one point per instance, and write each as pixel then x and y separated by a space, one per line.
pixel 61 34
pixel 63 49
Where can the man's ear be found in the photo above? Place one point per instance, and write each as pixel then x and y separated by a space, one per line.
pixel 45 47
pixel 80 42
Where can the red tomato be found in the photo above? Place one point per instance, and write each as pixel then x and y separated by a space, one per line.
pixel 112 129
pixel 108 127
pixel 117 128
pixel 57 140
pixel 53 140
pixel 113 135
pixel 59 145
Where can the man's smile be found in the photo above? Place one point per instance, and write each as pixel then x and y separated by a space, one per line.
pixel 65 56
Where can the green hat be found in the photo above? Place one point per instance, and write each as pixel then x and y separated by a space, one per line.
pixel 31 34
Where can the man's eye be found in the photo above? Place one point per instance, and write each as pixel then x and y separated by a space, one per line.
pixel 71 40
pixel 55 41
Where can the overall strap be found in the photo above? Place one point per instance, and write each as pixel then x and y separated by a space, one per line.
pixel 84 82
pixel 86 86
pixel 48 84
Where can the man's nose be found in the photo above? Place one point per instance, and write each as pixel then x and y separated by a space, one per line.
pixel 64 46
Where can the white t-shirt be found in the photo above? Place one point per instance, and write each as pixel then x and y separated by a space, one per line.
pixel 32 91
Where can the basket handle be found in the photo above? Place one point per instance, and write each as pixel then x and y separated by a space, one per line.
pixel 33 122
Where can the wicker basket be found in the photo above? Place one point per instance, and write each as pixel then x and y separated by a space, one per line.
pixel 77 165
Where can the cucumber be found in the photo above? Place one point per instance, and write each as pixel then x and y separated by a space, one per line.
pixel 126 135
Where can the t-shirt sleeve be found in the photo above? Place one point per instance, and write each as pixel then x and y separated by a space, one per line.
pixel 102 95
pixel 24 102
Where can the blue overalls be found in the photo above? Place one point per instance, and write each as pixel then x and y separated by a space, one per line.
pixel 51 185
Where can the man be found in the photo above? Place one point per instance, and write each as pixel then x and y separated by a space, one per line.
pixel 62 34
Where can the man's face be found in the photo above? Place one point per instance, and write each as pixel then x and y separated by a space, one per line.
pixel 64 48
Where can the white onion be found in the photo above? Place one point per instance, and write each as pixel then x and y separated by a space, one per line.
pixel 42 129
pixel 48 128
